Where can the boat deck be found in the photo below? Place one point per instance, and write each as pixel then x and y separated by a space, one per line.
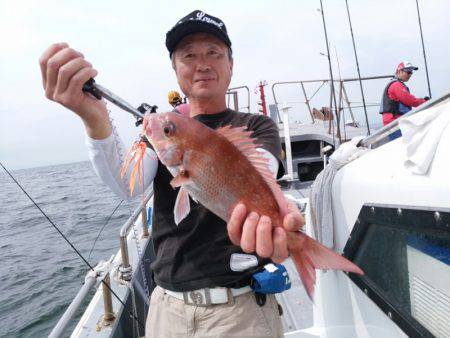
pixel 297 307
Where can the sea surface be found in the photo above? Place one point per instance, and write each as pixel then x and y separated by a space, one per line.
pixel 39 272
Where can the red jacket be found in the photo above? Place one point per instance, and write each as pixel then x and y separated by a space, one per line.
pixel 398 92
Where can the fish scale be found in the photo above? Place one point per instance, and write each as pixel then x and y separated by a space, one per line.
pixel 218 183
pixel 210 188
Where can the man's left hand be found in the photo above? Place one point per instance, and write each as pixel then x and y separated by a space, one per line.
pixel 256 234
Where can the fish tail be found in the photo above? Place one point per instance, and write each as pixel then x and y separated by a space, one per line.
pixel 309 255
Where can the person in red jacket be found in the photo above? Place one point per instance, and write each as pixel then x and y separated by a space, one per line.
pixel 397 100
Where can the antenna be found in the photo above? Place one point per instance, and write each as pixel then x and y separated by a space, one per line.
pixel 357 67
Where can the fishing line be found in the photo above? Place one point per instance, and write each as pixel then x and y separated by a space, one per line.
pixel 73 247
pixel 103 227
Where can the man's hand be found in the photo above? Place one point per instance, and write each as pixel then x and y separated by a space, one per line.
pixel 256 234
pixel 64 71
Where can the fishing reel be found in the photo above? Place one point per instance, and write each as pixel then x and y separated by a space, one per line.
pixel 145 108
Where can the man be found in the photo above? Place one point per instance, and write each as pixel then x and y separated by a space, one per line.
pixel 203 266
pixel 396 99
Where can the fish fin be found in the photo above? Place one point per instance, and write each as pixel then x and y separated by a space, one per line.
pixel 241 139
pixel 180 179
pixel 309 255
pixel 193 198
pixel 182 206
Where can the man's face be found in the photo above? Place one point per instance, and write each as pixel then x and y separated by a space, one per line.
pixel 404 74
pixel 203 67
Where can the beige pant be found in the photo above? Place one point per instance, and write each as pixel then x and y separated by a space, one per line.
pixel 169 317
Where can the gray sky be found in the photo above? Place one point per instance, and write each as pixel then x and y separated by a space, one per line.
pixel 272 40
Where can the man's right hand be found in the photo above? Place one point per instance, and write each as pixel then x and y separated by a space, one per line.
pixel 64 72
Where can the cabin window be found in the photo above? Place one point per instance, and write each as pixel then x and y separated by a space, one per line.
pixel 405 254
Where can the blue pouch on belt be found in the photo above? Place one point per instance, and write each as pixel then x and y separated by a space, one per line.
pixel 273 279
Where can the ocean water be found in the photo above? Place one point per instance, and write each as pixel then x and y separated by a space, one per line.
pixel 39 272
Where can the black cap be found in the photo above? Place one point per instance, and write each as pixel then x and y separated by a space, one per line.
pixel 196 22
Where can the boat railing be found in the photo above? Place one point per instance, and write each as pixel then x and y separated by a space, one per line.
pixel 343 99
pixel 390 128
pixel 140 211
pixel 94 279
pixel 287 142
pixel 233 93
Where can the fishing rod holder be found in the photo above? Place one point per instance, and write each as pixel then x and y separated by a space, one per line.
pixel 125 268
pixel 144 218
pixel 108 316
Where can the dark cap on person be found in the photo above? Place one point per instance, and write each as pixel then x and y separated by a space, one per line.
pixel 196 22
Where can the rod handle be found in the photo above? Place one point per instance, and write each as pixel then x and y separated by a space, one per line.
pixel 89 87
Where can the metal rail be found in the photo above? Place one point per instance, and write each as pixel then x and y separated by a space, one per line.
pixel 326 81
pixel 91 281
pixel 66 318
pixel 393 126
pixel 230 91
pixel 343 97
pixel 126 227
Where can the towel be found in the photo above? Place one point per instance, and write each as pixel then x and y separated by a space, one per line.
pixel 421 135
pixel 320 195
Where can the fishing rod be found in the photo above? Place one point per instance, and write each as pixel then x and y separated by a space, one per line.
pixel 423 48
pixel 341 106
pixel 357 67
pixel 71 245
pixel 333 94
pixel 99 91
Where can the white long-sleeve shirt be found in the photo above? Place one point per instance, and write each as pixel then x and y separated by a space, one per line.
pixel 107 157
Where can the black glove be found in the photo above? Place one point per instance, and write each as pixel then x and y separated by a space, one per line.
pixel 426 98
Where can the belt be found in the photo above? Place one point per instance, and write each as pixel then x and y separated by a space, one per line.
pixel 207 297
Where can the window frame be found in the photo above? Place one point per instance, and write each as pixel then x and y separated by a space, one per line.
pixel 393 216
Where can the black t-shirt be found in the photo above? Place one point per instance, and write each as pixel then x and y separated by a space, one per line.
pixel 198 252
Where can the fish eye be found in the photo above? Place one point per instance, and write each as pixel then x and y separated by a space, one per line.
pixel 169 129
